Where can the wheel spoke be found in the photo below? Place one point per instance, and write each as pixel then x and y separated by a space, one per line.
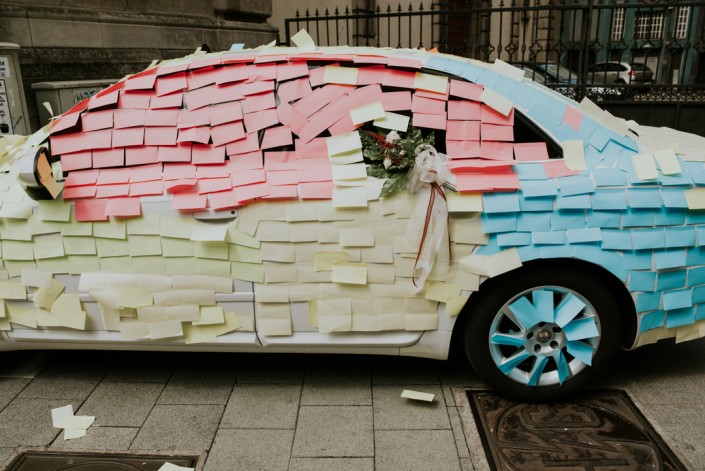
pixel 507 339
pixel 537 370
pixel 510 363
pixel 581 351
pixel 525 312
pixel 563 368
pixel 568 309
pixel 579 329
pixel 543 302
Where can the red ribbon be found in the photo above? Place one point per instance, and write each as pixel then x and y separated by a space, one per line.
pixel 435 188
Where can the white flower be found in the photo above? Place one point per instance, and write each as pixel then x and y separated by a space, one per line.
pixel 402 153
pixel 387 162
pixel 392 136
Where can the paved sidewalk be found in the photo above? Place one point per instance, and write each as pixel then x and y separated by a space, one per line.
pixel 304 412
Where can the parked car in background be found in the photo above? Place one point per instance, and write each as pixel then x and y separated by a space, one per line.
pixel 620 73
pixel 353 200
pixel 548 74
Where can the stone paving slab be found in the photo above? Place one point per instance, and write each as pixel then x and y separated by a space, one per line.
pixel 328 387
pixel 180 428
pixel 252 450
pixel 67 382
pixel 121 404
pixel 332 464
pixel 262 406
pixel 195 385
pixel 415 450
pixel 28 422
pixel 99 438
pixel 394 412
pixel 329 431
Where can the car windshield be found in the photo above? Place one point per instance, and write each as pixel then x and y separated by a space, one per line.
pixel 562 73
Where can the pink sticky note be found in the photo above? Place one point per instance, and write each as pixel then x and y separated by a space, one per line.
pixel 200 77
pixel 572 117
pixel 462 149
pixel 470 91
pixel 249 161
pixel 290 70
pixel 434 121
pixel 463 109
pixel 207 154
pixel 282 177
pixel 231 73
pixel 90 210
pixel 189 201
pixel 200 134
pixel 112 191
pixel 497 150
pixel 316 148
pixel 177 171
pixel 112 176
pixel 530 151
pixel 320 97
pixel 316 76
pixel 170 83
pixel 172 69
pixel 260 120
pixel 293 90
pixel 78 192
pixel 77 108
pixel 76 161
pixel 173 100
pixel 94 120
pixel 283 160
pixel 370 75
pixel 364 95
pixel 473 182
pixel 261 72
pixel 225 113
pixel 161 117
pixel 78 141
pixel 260 59
pixel 320 162
pixel 160 136
pixel 200 97
pixel 254 88
pixel 146 173
pixel 68 121
pixel 223 200
pixel 128 137
pixel 398 78
pixel 505 181
pixel 214 185
pixel 212 171
pixel 228 92
pixel 207 61
pixel 316 190
pixel 154 188
pixel 282 192
pixel 259 102
pixel 325 118
pixel 176 153
pixel 193 118
pixel 142 81
pixel 248 177
pixel 141 155
pixel 321 174
pixel 290 118
pixel 181 185
pixel 243 146
pixel 107 97
pixel 123 207
pixel 492 116
pixel 343 125
pixel 83 177
pixel 247 193
pixel 463 130
pixel 496 132
pixel 408 62
pixel 109 158
pixel 434 95
pixel 226 133
pixel 478 165
pixel 396 101
pixel 369 59
pixel 276 137
pixel 557 168
pixel 138 100
pixel 237 57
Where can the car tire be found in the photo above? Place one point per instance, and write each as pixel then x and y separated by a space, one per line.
pixel 541 333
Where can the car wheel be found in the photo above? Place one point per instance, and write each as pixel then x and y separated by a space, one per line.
pixel 541 334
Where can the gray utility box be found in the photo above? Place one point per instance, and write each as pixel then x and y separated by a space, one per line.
pixel 63 95
pixel 13 107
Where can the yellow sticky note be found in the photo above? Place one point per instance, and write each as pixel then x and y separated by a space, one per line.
pixel 496 101
pixel 469 202
pixel 247 271
pixel 334 315
pixel 351 273
pixel 210 333
pixel 455 304
pixel 273 319
pixel 165 330
pixel 212 250
pixel 45 297
pixel 439 291
pixel 134 297
pixel 340 75
pixel 143 245
pixel 343 143
pixel 68 312
pixel 112 247
pixel 324 261
pixel 22 315
pixel 209 231
pixel 16 250
pixel 79 246
pixel 177 247
pixel 211 315
pixel 695 198
pixel 349 172
pixel 176 227
pixel 645 166
pixel 357 237
pixel 395 121
pixel 417 396
pixel 54 210
pixel 112 229
pixel 15 230
pixel 145 225
pixel 278 252
pixel 12 290
pixel 574 155
pixel 432 83
pixel 354 197
pixel 240 253
pixel 368 112
pixel 48 246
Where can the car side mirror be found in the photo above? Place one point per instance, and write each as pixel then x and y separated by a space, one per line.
pixel 40 175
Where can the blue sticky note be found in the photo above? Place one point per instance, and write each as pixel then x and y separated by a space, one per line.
pixel 609 177
pixel 528 253
pixel 567 219
pixel 530 222
pixel 237 46
pixel 699 294
pixel 616 240
pixel 575 185
pixel 679 317
pixel 574 202
pixel 565 133
pixel 593 157
pixel 549 238
pixel 671 280
pixel 681 179
pixel 599 138
pixel 696 276
pixel 505 85
pixel 547 111
pixel 677 299
pixel 530 171
pixel 454 66
pixel 536 204
pixel 647 301
pixel 587 128
pixel 669 258
pixel 500 202
pixel 683 236
pixel 696 256
pixel 695 217
pixel 538 188
pixel 674 198
pixel 648 238
pixel 700 230
pixel 625 141
pixel 438 63
pixel 522 95
pixel 698 176
pixel 583 328
pixel 645 198
pixel 651 320
pixel 488 78
pixel 669 217
pixel 638 218
pixel 513 239
pixel 640 260
pixel 556 251
pixel 614 263
pixel 471 72
pixel 603 219
pixel 490 248
pixel 500 222
pixel 609 199
pixel 699 312
pixel 584 235
pixel 642 281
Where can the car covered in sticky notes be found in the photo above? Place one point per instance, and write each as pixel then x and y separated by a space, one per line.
pixel 353 200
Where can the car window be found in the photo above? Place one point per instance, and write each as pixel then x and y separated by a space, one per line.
pixel 638 66
pixel 597 68
pixel 526 131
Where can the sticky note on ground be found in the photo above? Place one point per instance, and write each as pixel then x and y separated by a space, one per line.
pixel 417 396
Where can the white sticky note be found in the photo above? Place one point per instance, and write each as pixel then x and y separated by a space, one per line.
pixel 349 172
pixel 343 143
pixel 357 237
pixel 340 75
pixel 645 166
pixel 496 101
pixel 350 273
pixel 469 202
pixel 304 42
pixel 574 155
pixel 61 415
pixel 368 112
pixel 417 396
pixel 510 71
pixel 695 198
pixel 667 161
pixel 70 434
pixel 353 197
pixel 431 83
pixel 395 121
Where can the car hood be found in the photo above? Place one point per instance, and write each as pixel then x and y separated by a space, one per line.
pixel 688 146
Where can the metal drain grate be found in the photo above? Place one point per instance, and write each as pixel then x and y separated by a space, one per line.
pixel 92 461
pixel 597 430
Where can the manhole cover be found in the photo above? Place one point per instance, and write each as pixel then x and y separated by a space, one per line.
pixel 88 461
pixel 597 431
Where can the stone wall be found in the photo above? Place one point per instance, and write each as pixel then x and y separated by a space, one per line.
pixel 108 39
